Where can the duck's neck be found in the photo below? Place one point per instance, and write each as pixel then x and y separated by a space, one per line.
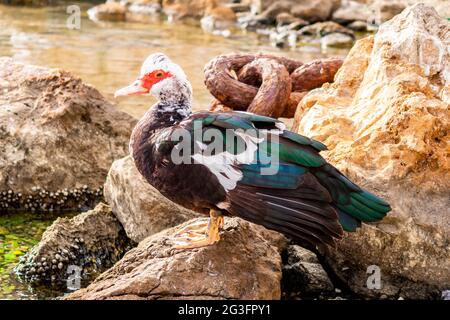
pixel 170 110
pixel 166 113
pixel 175 102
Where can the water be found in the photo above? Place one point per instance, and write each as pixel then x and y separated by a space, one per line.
pixel 18 234
pixel 108 56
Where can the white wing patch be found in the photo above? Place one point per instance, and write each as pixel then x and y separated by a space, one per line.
pixel 223 165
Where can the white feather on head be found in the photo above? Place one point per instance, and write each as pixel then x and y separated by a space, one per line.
pixel 159 61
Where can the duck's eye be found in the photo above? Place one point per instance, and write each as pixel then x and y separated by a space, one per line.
pixel 159 74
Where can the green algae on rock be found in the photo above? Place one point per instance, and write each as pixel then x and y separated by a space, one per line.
pixel 18 233
pixel 91 241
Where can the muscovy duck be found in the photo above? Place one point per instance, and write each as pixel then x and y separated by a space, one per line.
pixel 305 198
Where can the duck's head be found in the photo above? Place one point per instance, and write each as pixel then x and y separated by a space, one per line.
pixel 161 78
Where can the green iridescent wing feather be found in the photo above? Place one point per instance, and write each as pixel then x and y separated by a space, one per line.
pixel 297 155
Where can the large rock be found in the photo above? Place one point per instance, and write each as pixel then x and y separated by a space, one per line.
pixel 275 9
pixel 352 11
pixel 386 121
pixel 379 11
pixel 59 137
pixel 321 29
pixel 265 17
pixel 92 241
pixel 129 10
pixel 33 3
pixel 245 264
pixel 304 276
pixel 337 40
pixel 140 208
pixel 315 10
pixel 180 9
pixel 385 10
pixel 218 18
pixel 111 11
pixel 306 10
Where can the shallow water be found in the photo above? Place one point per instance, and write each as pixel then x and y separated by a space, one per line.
pixel 108 56
pixel 19 233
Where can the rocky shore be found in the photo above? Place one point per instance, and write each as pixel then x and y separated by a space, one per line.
pixel 385 119
pixel 287 23
pixel 59 138
pixel 91 241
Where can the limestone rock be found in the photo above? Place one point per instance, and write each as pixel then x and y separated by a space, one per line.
pixel 337 40
pixel 315 10
pixel 385 10
pixel 271 13
pixel 111 11
pixel 352 11
pixel 286 18
pixel 218 18
pixel 258 6
pixel 140 208
pixel 92 241
pixel 181 9
pixel 59 137
pixel 321 29
pixel 304 275
pixel 238 7
pixel 32 3
pixel 245 264
pixel 266 17
pixel 360 26
pixel 386 121
pixel 126 10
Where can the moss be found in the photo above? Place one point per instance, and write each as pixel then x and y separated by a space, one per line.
pixel 18 233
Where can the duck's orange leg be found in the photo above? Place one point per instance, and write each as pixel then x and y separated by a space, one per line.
pixel 201 236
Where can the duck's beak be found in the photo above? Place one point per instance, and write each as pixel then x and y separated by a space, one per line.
pixel 132 89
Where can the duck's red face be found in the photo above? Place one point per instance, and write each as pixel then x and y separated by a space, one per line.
pixel 144 84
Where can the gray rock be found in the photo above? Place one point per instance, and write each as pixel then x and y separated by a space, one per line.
pixel 105 243
pixel 336 39
pixel 303 274
pixel 445 295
